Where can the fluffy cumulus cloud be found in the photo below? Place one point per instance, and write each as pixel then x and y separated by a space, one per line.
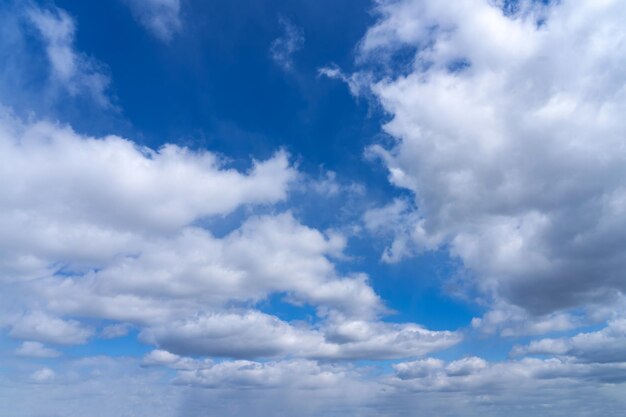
pixel 101 236
pixel 235 388
pixel 243 374
pixel 468 386
pixel 509 131
pixel 256 335
pixel 396 219
pixel 602 346
pixel 511 321
pixel 181 385
pixel 498 388
pixel 160 17
pixel 36 350
pixel 45 328
pixel 99 198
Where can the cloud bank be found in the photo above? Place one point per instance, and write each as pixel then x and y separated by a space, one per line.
pixel 509 131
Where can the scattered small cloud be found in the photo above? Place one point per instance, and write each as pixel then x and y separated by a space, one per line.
pixel 160 17
pixel 43 375
pixel 36 350
pixel 43 327
pixel 114 331
pixel 283 47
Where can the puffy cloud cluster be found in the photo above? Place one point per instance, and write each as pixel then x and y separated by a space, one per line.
pixel 43 327
pixel 476 375
pixel 473 386
pixel 36 350
pixel 254 334
pixel 237 388
pixel 515 157
pixel 100 228
pixel 69 200
pixel 243 374
pixel 510 133
pixel 511 321
pixel 602 346
pixel 469 386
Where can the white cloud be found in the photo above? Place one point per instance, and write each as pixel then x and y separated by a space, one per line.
pixel 79 386
pixel 294 387
pixel 113 331
pixel 249 335
pixel 466 366
pixel 42 327
pixel 358 82
pixel 100 228
pixel 328 185
pixel 299 374
pixel 256 335
pixel 509 131
pixel 267 254
pixel 435 368
pixel 406 227
pixel 161 17
pixel 417 369
pixel 475 375
pixel 512 321
pixel 603 346
pixel 43 375
pixel 97 198
pixel 470 386
pixel 36 350
pixel 77 73
pixel 160 357
pixel 283 48
pixel 359 339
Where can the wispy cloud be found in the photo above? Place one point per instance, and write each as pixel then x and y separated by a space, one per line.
pixel 160 17
pixel 291 41
pixel 75 72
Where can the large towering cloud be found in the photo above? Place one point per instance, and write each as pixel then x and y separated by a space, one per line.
pixel 510 132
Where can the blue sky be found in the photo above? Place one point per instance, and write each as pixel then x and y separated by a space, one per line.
pixel 372 208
